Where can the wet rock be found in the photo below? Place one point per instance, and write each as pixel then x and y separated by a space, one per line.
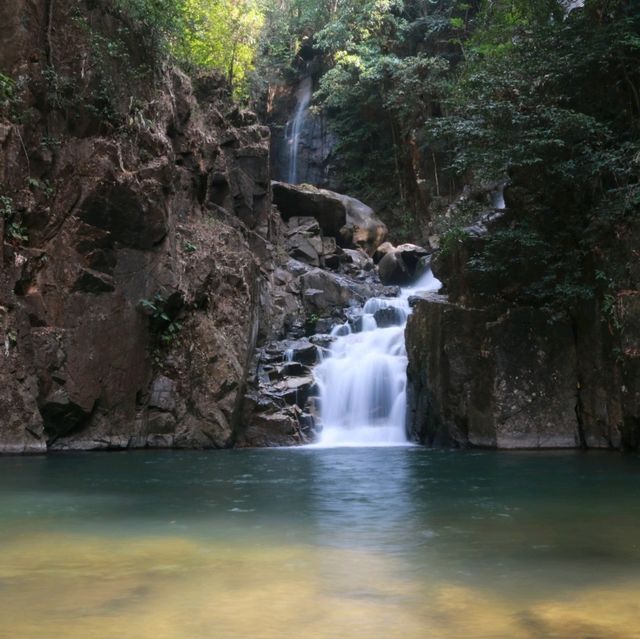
pixel 382 250
pixel 390 316
pixel 159 423
pixel 402 265
pixel 300 351
pixel 393 270
pixel 323 292
pixel 281 428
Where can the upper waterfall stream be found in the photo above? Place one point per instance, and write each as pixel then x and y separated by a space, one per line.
pixel 294 127
pixel 363 382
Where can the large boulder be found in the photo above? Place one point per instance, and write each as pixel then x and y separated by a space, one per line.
pixel 323 292
pixel 382 250
pixel 402 265
pixel 352 223
pixel 307 201
pixel 363 229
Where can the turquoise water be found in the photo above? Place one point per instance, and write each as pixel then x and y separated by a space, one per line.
pixel 363 543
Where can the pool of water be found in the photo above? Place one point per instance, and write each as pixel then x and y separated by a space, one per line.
pixel 357 543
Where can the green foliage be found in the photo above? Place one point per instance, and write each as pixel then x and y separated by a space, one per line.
pixel 451 239
pixel 550 103
pixel 164 323
pixel 189 247
pixel 43 186
pixel 201 34
pixel 10 102
pixel 13 228
pixel 223 35
pixel 7 90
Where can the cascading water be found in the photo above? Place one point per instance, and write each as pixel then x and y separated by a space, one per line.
pixel 295 126
pixel 497 199
pixel 362 384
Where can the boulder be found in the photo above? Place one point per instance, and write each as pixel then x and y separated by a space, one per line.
pixel 389 316
pixel 363 229
pixel 323 292
pixel 351 222
pixel 382 250
pixel 280 428
pixel 304 241
pixel 301 351
pixel 393 270
pixel 360 260
pixel 302 248
pixel 304 224
pixel 402 265
pixel 324 206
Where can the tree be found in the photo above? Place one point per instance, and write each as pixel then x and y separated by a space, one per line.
pixel 222 34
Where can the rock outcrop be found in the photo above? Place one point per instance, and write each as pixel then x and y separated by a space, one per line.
pixel 491 378
pixel 403 264
pixel 485 370
pixel 136 241
pixel 350 222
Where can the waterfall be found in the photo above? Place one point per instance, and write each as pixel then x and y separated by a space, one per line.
pixel 362 384
pixel 497 199
pixel 295 126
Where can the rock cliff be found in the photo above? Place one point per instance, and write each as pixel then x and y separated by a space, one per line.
pixel 135 234
pixel 487 370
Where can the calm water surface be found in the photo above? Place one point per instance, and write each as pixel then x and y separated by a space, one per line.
pixel 320 543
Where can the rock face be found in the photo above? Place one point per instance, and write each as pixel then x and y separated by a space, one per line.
pixel 486 371
pixel 350 222
pixel 130 314
pixel 481 377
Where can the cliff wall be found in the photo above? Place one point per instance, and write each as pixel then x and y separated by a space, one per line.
pixel 134 239
pixel 488 370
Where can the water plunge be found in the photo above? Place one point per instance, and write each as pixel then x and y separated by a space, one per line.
pixel 363 382
pixel 295 127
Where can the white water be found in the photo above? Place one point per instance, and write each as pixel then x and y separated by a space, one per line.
pixel 363 382
pixel 294 127
pixel 497 199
